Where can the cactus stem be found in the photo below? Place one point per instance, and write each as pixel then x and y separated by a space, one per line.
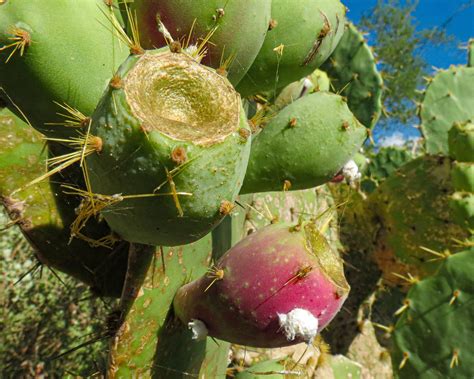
pixel 455 359
pixel 21 40
pixel 404 360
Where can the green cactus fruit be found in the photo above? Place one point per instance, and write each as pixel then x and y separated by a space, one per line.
pixel 61 53
pixel 279 286
pixel 150 342
pixel 470 55
pixel 448 100
pixel 173 146
pixel 304 145
pixel 301 36
pixel 462 176
pixel 413 209
pixel 241 28
pixel 432 338
pixel 45 214
pixel 271 369
pixel 353 73
pixel 462 206
pixel 461 142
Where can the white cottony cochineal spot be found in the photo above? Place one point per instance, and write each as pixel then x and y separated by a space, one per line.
pixel 351 172
pixel 299 323
pixel 199 329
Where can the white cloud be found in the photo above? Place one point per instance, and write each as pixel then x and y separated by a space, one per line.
pixel 397 139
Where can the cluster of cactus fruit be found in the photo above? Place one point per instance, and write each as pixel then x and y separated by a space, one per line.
pixel 194 159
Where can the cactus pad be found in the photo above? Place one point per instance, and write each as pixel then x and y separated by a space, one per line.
pixel 301 36
pixel 305 144
pixel 179 152
pixel 431 338
pixel 461 142
pixel 448 100
pixel 240 28
pixel 64 53
pixel 353 73
pixel 413 207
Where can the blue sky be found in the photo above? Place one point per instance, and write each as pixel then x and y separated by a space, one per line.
pixel 431 13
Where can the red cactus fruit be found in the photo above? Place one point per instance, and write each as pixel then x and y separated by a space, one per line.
pixel 279 286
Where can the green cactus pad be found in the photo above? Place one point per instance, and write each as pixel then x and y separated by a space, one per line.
pixel 302 35
pixel 150 342
pixel 462 176
pixel 241 28
pixel 344 368
pixel 386 162
pixel 353 73
pixel 462 206
pixel 432 338
pixel 461 142
pixel 305 144
pixel 67 54
pixel 173 127
pixel 448 100
pixel 413 208
pixel 46 213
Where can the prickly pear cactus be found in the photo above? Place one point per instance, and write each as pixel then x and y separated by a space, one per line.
pixel 36 39
pixel 237 29
pixel 191 154
pixel 430 337
pixel 283 152
pixel 301 36
pixel 413 206
pixel 447 101
pixel 158 191
pixel 353 73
